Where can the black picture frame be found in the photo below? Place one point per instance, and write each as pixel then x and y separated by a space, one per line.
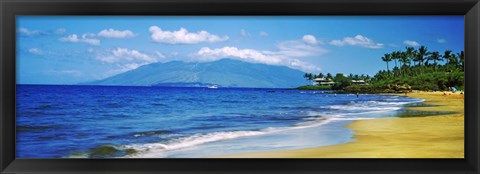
pixel 11 8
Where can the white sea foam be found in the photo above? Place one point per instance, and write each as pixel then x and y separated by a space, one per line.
pixel 367 106
pixel 316 119
pixel 158 149
pixel 350 118
pixel 197 139
pixel 363 108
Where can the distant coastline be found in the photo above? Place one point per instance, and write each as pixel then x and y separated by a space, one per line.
pixel 419 69
pixel 395 89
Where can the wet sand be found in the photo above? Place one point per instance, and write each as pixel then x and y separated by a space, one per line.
pixel 439 136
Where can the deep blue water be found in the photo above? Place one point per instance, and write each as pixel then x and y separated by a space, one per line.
pixel 107 121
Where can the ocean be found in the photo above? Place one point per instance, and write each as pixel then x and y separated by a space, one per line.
pixel 67 121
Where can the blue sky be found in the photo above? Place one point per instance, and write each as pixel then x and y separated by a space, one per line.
pixel 70 50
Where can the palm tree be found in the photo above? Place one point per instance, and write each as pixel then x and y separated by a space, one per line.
pixel 435 56
pixel 387 58
pixel 329 76
pixel 453 60
pixel 461 56
pixel 350 76
pixel 404 60
pixel 410 53
pixel 422 52
pixel 308 77
pixel 305 76
pixel 363 77
pixel 321 75
pixel 396 56
pixel 447 55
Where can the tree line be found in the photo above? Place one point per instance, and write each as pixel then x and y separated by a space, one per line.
pixel 419 69
pixel 417 61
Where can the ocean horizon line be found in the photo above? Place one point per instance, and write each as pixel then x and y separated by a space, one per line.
pixel 155 86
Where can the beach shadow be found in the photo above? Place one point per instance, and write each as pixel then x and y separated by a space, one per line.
pixel 416 113
pixel 420 104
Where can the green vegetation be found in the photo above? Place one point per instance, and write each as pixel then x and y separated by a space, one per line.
pixel 108 151
pixel 417 69
pixel 104 151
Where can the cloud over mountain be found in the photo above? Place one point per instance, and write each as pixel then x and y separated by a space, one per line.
pixel 288 53
pixel 183 36
pixel 358 40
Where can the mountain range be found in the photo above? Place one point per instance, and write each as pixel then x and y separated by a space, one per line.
pixel 223 73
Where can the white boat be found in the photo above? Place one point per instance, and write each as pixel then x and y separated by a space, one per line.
pixel 213 87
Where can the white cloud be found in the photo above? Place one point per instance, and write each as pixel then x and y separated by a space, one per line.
pixel 111 33
pixel 35 51
pixel 296 48
pixel 441 40
pixel 126 55
pixel 182 36
pixel 288 54
pixel 70 38
pixel 310 39
pixel 263 33
pixel 127 59
pixel 160 54
pixel 29 33
pixel 248 55
pixel 86 38
pixel 244 33
pixel 411 43
pixel 254 56
pixel 358 40
pixel 123 52
pixel 26 32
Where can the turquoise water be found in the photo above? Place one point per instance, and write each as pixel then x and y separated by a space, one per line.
pixel 158 122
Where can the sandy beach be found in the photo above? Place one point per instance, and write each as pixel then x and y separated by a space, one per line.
pixel 439 136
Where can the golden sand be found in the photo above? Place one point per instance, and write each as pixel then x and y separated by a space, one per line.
pixel 439 136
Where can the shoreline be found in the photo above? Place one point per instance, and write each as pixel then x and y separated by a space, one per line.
pixel 438 136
